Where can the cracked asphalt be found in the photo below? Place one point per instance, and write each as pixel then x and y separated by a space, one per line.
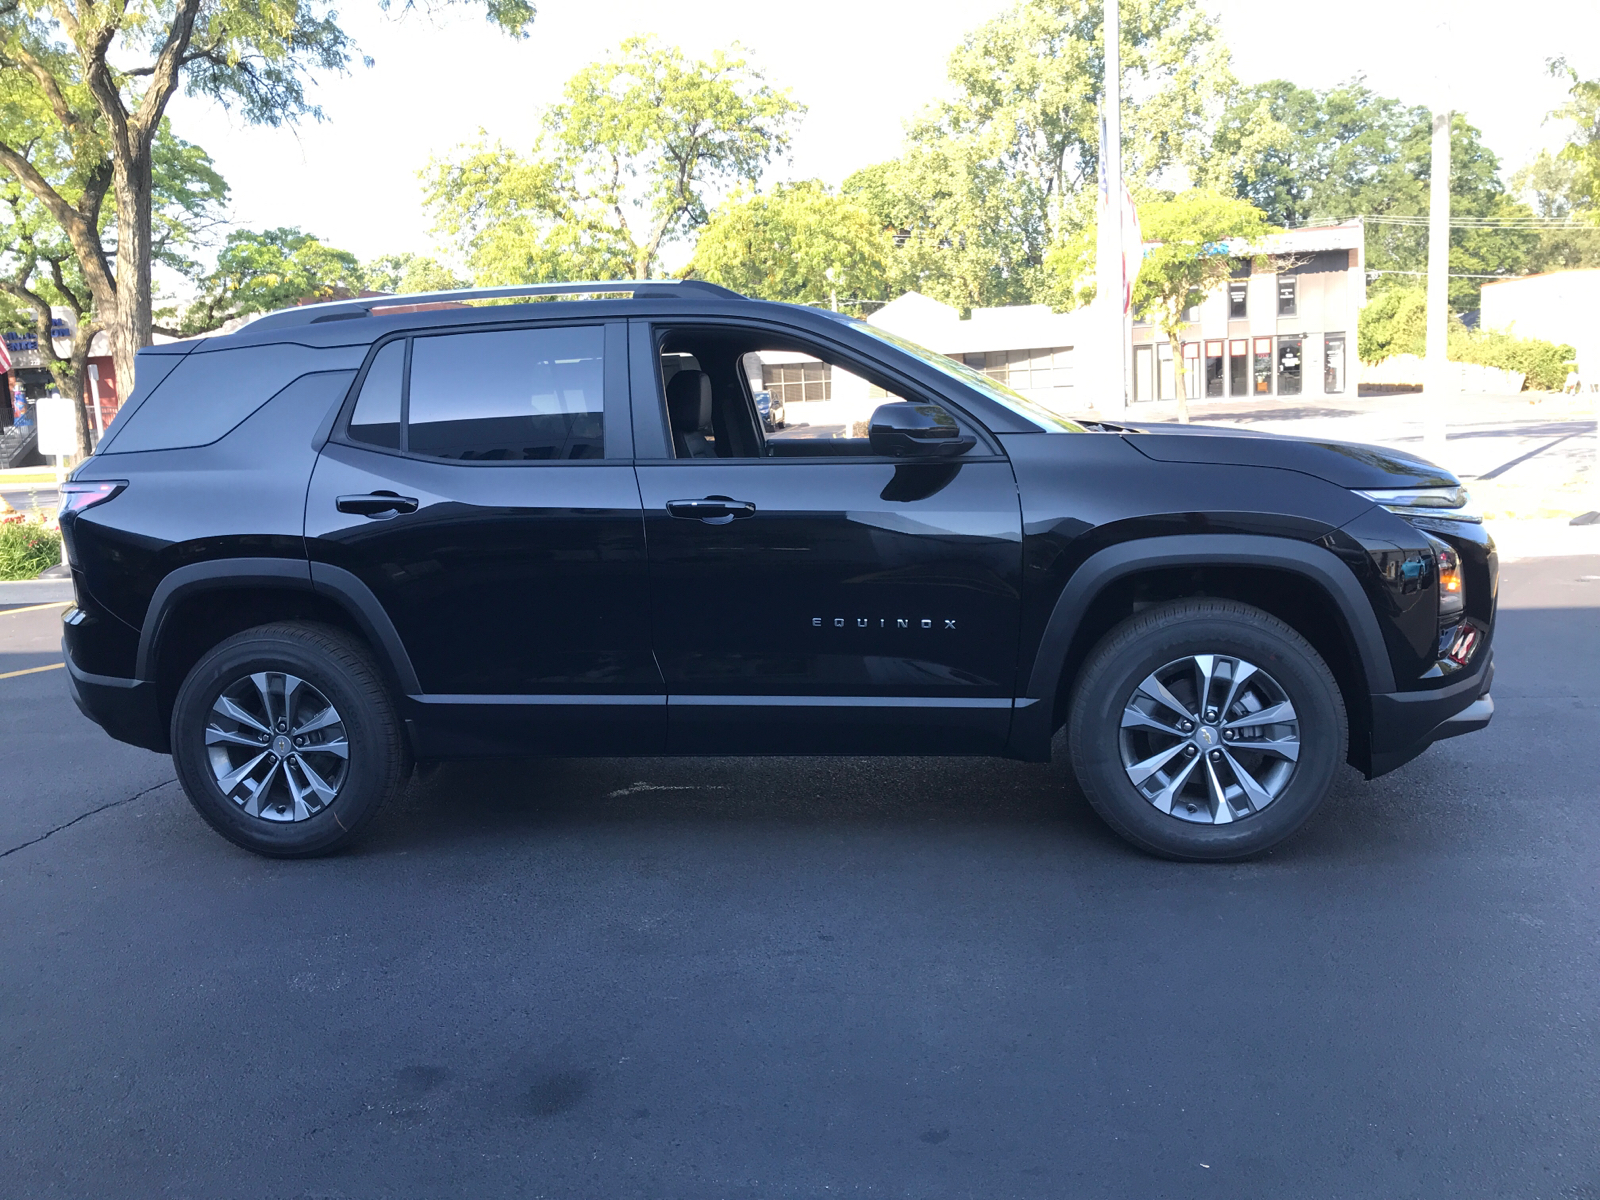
pixel 796 978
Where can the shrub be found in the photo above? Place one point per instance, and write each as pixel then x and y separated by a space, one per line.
pixel 1395 322
pixel 26 548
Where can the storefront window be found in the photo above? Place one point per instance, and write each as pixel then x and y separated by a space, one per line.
pixel 1191 370
pixel 1288 295
pixel 1263 366
pixel 1213 368
pixel 1288 366
pixel 1239 367
pixel 1333 364
pixel 1238 290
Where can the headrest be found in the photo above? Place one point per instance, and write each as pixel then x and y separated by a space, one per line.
pixel 689 401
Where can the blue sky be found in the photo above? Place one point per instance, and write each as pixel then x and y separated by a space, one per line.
pixel 861 66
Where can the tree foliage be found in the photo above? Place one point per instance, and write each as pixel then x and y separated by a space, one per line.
pixel 1303 156
pixel 991 177
pixel 1395 322
pixel 98 75
pixel 624 164
pixel 801 243
pixel 259 272
pixel 1582 151
pixel 408 273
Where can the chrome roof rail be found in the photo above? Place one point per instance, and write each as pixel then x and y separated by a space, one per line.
pixel 364 306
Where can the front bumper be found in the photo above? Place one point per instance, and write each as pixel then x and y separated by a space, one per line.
pixel 125 708
pixel 1404 724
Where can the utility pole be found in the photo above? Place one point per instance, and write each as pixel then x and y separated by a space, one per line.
pixel 1436 387
pixel 1108 242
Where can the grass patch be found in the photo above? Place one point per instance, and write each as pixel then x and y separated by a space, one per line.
pixel 26 548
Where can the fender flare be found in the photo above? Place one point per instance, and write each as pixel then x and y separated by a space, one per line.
pixel 293 574
pixel 1033 719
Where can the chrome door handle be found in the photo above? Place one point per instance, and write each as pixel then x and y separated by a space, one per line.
pixel 713 510
pixel 376 504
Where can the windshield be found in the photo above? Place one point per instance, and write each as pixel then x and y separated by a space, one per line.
pixel 1027 409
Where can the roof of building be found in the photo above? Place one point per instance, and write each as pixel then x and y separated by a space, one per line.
pixel 940 327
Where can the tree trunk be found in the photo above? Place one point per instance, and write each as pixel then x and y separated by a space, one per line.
pixel 1175 337
pixel 131 322
pixel 79 365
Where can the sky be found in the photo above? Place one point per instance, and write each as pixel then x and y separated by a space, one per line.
pixel 862 67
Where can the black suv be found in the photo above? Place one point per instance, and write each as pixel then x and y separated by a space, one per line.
pixel 354 536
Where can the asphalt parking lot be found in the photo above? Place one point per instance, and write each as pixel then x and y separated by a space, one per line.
pixel 799 978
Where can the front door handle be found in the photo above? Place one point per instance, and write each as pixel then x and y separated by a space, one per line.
pixel 376 504
pixel 713 510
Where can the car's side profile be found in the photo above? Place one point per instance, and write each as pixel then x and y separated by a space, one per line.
pixel 345 539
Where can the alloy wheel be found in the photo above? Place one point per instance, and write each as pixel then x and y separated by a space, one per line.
pixel 1209 738
pixel 277 747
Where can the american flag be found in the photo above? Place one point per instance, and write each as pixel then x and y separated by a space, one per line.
pixel 5 357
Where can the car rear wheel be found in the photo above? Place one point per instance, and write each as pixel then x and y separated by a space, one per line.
pixel 286 741
pixel 1205 730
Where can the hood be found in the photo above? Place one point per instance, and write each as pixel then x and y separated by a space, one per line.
pixel 1348 464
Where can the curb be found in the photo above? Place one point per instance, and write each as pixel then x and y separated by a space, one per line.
pixel 35 591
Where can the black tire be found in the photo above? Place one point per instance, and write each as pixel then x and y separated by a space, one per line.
pixel 338 667
pixel 1162 635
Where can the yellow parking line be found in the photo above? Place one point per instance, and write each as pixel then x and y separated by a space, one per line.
pixel 33 670
pixel 6 612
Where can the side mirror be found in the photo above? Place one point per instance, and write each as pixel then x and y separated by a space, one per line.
pixel 905 430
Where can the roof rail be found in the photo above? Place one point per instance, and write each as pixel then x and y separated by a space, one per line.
pixel 342 310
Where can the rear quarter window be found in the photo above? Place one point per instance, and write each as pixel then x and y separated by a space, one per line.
pixel 208 393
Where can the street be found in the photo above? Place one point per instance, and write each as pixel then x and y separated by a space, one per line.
pixel 796 978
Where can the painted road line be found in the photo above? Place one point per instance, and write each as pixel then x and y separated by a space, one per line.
pixel 33 670
pixel 6 612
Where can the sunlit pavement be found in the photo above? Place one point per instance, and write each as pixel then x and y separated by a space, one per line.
pixel 735 978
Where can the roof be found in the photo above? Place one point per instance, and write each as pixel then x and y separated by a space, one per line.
pixel 940 327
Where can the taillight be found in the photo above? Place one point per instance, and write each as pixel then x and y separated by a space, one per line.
pixel 80 495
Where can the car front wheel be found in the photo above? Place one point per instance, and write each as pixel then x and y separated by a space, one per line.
pixel 1205 730
pixel 286 741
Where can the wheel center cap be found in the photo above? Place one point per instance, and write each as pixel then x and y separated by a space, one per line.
pixel 1207 736
pixel 282 746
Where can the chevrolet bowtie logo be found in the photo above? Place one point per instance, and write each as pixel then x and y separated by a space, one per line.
pixel 884 622
pixel 1207 736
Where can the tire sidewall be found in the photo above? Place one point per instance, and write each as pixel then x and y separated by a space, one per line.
pixel 365 782
pixel 1108 683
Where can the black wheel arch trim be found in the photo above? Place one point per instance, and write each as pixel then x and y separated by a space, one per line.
pixel 1031 728
pixel 296 574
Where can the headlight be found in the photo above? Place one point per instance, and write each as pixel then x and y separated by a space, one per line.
pixel 1452 592
pixel 1449 503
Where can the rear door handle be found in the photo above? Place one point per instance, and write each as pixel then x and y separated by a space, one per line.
pixel 376 504
pixel 713 510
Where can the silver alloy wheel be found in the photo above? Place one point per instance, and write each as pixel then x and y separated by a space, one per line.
pixel 1210 739
pixel 277 747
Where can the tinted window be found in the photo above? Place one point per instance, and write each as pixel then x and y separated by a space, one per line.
pixel 208 393
pixel 509 395
pixel 376 420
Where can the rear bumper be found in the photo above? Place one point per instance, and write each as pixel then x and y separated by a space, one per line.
pixel 1404 724
pixel 124 708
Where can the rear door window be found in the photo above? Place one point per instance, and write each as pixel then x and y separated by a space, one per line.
pixel 376 420
pixel 507 395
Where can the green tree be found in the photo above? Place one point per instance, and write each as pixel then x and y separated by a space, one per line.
pixel 801 243
pixel 259 272
pixel 1550 185
pixel 408 273
pixel 1302 156
pixel 1192 244
pixel 1006 166
pixel 1582 151
pixel 622 165
pixel 103 71
pixel 1395 322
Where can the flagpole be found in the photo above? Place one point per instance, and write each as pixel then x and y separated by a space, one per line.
pixel 1109 282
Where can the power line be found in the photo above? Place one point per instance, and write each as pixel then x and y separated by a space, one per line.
pixel 1421 222
pixel 1453 275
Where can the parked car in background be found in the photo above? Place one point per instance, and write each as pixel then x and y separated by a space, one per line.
pixel 353 536
pixel 771 409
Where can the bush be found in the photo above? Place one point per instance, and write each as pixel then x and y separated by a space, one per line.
pixel 26 548
pixel 1395 322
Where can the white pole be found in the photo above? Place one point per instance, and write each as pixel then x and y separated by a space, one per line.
pixel 1109 281
pixel 94 393
pixel 1438 384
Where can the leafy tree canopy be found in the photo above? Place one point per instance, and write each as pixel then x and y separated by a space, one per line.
pixel 993 175
pixel 406 273
pixel 802 243
pixel 624 164
pixel 1302 156
pixel 1582 151
pixel 259 272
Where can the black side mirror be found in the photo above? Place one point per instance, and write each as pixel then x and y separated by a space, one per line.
pixel 905 430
